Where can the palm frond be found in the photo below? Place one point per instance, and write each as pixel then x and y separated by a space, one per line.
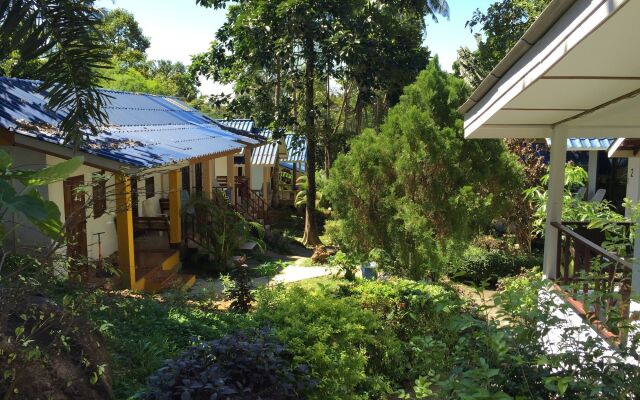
pixel 64 33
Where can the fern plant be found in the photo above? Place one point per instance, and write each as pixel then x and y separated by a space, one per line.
pixel 220 230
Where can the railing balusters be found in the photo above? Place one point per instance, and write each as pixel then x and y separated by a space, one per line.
pixel 586 258
pixel 558 254
pixel 567 258
pixel 610 282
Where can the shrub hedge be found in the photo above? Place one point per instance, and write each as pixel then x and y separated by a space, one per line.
pixel 405 339
pixel 480 266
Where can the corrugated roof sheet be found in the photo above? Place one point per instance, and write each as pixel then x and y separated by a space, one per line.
pixel 246 125
pixel 144 130
pixel 261 155
pixel 586 144
pixel 296 148
pixel 289 166
pixel 266 154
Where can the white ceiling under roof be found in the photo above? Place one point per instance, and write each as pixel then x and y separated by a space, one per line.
pixel 582 74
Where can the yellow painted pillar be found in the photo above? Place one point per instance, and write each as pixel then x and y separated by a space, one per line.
pixel 207 178
pixel 124 227
pixel 266 181
pixel 231 182
pixel 175 226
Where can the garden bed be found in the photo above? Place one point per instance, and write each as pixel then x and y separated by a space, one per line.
pixel 341 339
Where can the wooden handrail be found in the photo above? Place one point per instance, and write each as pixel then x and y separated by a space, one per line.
pixel 598 249
pixel 584 285
pixel 585 223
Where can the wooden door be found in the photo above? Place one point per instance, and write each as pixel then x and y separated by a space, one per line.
pixel 75 218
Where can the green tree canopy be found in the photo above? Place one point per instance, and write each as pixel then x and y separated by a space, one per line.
pixel 277 51
pixel 418 186
pixel 124 36
pixel 498 30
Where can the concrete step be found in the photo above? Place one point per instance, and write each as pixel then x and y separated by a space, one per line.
pixel 160 280
pixel 156 269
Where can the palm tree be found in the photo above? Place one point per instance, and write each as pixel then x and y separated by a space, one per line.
pixel 63 36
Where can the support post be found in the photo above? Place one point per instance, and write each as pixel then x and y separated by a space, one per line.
pixel 633 182
pixel 294 175
pixel 555 193
pixel 633 194
pixel 231 181
pixel 124 227
pixel 266 181
pixel 207 178
pixel 175 224
pixel 593 174
pixel 247 165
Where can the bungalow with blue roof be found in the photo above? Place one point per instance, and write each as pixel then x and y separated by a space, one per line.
pixel 154 151
pixel 288 154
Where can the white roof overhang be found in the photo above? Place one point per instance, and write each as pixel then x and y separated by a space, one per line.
pixel 578 68
pixel 624 148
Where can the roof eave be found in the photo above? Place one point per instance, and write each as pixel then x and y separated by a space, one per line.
pixel 554 11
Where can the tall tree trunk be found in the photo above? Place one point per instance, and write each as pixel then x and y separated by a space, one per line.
pixel 347 103
pixel 361 102
pixel 275 181
pixel 310 237
pixel 334 131
pixel 327 128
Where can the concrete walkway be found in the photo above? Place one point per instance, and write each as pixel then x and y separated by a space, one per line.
pixel 292 273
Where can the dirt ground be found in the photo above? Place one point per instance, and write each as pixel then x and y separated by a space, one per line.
pixel 298 254
pixel 482 298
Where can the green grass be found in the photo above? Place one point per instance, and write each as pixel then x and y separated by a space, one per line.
pixel 315 283
pixel 142 331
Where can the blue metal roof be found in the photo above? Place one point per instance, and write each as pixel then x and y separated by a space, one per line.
pixel 266 155
pixel 296 148
pixel 586 144
pixel 143 131
pixel 289 166
pixel 246 125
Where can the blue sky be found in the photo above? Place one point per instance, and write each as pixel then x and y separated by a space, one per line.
pixel 180 28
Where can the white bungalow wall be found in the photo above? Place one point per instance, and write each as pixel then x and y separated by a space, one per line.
pixel 220 168
pixel 257 173
pixel 105 223
pixel 24 236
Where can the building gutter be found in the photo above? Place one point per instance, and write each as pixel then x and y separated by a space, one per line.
pixel 554 11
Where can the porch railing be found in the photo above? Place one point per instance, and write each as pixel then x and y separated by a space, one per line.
pixel 252 206
pixel 597 282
